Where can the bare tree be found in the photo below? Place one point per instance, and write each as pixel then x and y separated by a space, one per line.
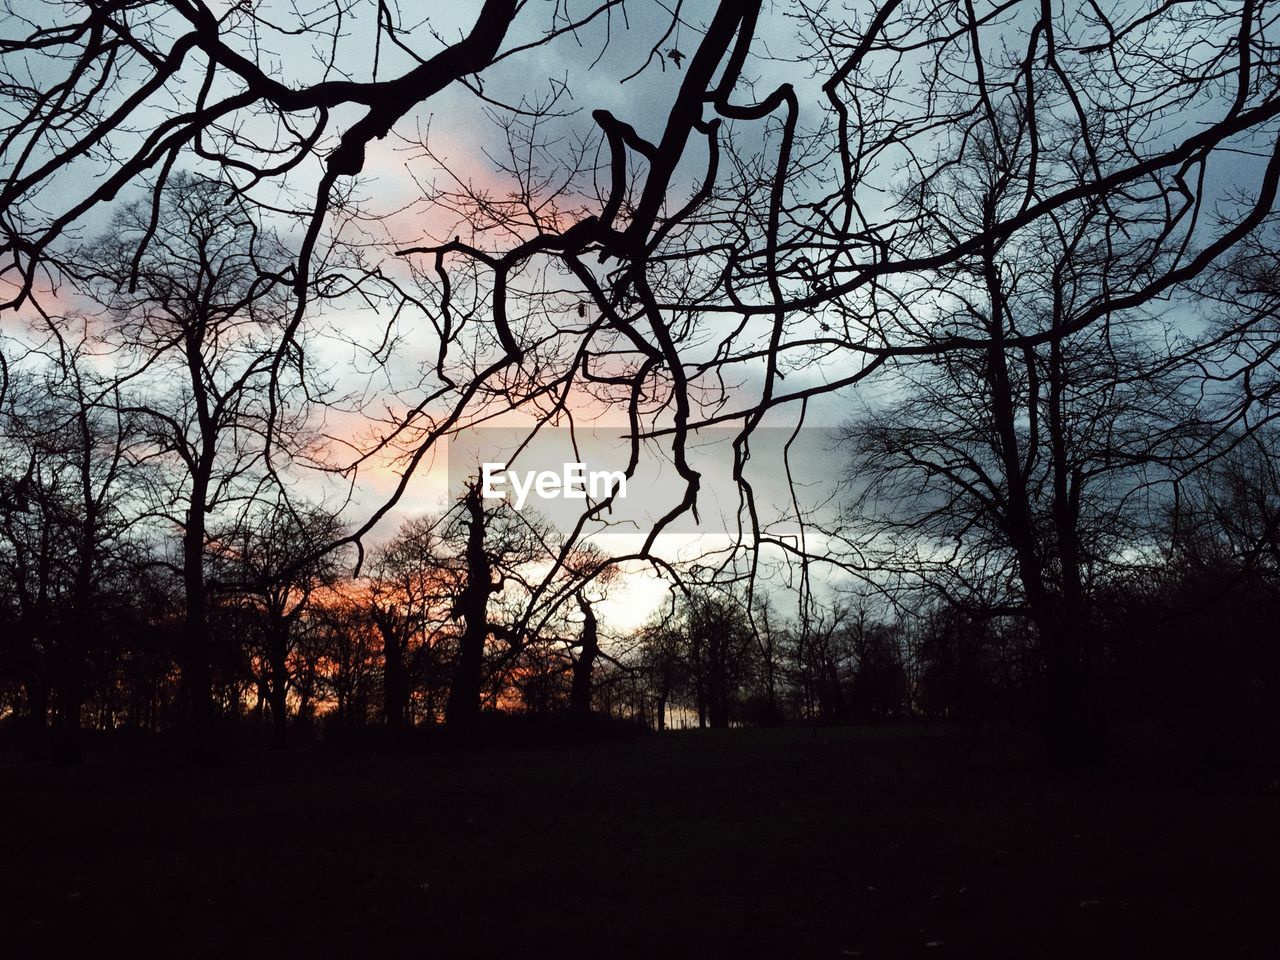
pixel 273 561
pixel 409 600
pixel 1025 459
pixel 344 644
pixel 494 548
pixel 201 313
pixel 760 239
pixel 67 517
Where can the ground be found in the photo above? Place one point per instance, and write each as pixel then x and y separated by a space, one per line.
pixel 787 843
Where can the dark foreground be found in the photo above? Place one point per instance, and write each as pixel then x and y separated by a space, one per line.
pixel 843 843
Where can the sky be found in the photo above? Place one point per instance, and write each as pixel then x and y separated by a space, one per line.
pixel 588 69
pixel 452 142
pixel 457 133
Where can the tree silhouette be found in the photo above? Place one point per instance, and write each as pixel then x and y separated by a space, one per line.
pixel 202 308
pixel 273 561
pixel 990 231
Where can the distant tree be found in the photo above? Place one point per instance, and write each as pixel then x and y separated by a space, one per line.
pixel 699 656
pixel 410 586
pixel 660 662
pixel 272 563
pixel 66 517
pixel 821 663
pixel 878 686
pixel 344 644
pixel 587 577
pixel 772 637
pixel 1021 461
pixel 472 606
pixel 1192 628
pixel 584 662
pixel 491 548
pixel 990 219
pixel 34 560
pixel 196 294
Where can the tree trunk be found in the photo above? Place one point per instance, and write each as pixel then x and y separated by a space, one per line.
pixel 718 698
pixel 1078 734
pixel 1067 724
pixel 278 655
pixel 67 743
pixel 580 689
pixel 463 705
pixel 197 674
pixel 395 694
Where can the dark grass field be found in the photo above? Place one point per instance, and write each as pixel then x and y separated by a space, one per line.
pixel 789 843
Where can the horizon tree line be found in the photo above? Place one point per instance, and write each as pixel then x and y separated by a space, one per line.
pixel 1028 247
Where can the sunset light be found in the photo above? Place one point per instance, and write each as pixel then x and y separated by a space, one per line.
pixel 710 478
